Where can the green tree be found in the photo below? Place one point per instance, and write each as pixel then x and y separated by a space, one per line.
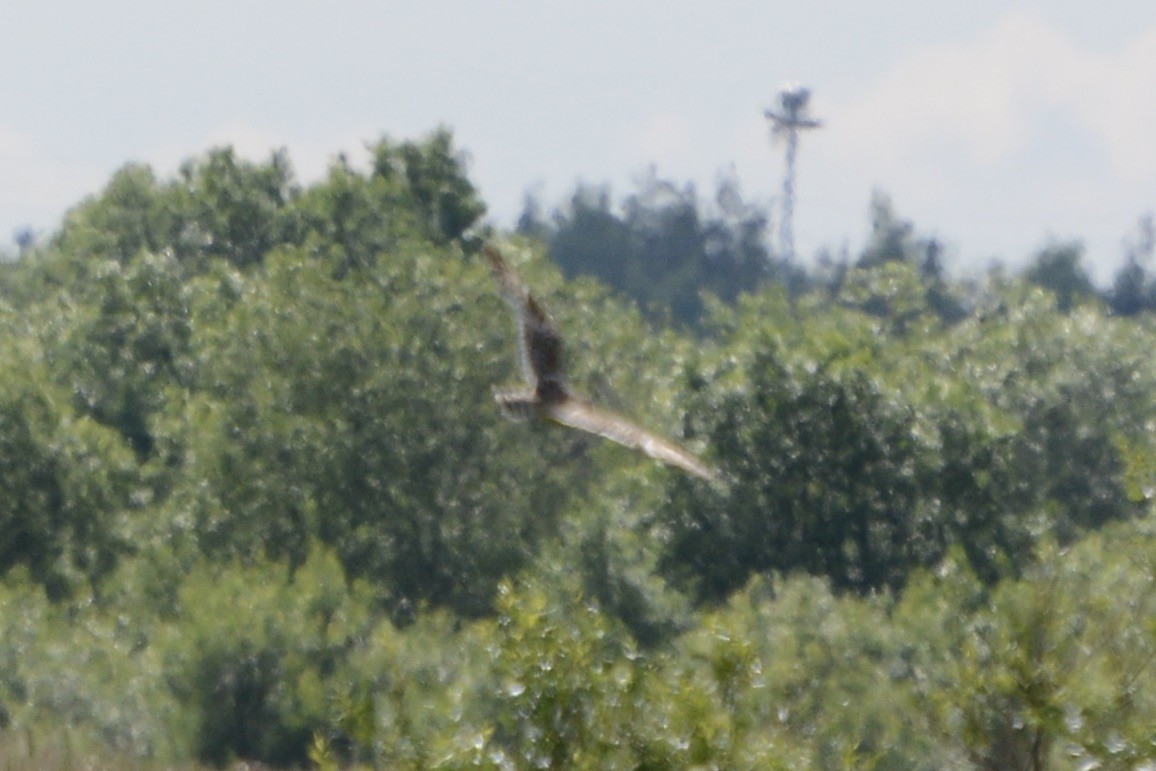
pixel 251 653
pixel 661 246
pixel 358 410
pixel 1057 268
pixel 235 210
pixel 64 488
pixel 893 242
pixel 1054 669
pixel 431 175
pixel 1132 289
pixel 125 341
pixel 824 472
pixel 81 682
pixel 132 214
pixel 220 207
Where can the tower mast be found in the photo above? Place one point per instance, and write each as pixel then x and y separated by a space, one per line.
pixel 790 119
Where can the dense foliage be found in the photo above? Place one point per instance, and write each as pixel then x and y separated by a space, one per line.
pixel 661 246
pixel 257 502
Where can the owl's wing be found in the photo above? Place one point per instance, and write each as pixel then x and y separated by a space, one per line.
pixel 540 355
pixel 518 405
pixel 577 414
pixel 539 344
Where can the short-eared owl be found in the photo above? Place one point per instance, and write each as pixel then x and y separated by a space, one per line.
pixel 547 397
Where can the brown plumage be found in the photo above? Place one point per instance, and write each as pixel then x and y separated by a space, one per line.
pixel 547 397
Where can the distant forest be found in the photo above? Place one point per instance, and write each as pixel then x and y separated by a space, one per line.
pixel 663 246
pixel 258 505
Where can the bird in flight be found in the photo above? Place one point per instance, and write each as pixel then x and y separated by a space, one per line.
pixel 547 396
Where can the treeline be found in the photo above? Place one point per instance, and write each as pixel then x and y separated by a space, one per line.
pixel 257 502
pixel 663 247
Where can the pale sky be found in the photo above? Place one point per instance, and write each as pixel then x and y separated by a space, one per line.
pixel 993 125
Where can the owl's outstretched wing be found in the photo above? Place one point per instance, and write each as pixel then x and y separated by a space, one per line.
pixel 539 344
pixel 518 405
pixel 575 413
pixel 540 356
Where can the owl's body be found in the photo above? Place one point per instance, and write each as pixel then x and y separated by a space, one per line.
pixel 547 397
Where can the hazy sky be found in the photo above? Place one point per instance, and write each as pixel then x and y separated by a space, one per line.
pixel 993 125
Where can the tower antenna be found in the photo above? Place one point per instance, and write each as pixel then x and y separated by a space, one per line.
pixel 790 119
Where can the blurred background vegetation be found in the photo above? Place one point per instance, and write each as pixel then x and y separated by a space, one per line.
pixel 257 504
